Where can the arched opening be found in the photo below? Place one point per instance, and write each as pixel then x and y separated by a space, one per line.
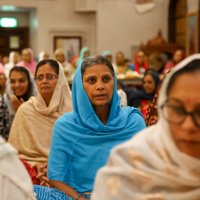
pixel 177 22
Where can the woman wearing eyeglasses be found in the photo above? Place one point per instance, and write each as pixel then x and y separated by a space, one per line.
pixel 161 162
pixel 33 124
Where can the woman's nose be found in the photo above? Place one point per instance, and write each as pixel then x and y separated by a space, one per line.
pixel 100 86
pixel 189 125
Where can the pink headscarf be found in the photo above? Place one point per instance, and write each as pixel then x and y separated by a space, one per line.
pixel 32 65
pixel 2 69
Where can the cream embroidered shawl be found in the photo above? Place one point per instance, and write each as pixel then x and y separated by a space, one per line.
pixel 150 166
pixel 32 127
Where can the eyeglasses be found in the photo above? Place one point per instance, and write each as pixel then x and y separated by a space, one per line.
pixel 177 115
pixel 49 77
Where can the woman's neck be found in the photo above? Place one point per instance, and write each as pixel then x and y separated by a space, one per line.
pixel 3 90
pixel 47 99
pixel 102 112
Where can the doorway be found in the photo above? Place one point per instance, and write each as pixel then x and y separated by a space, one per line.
pixel 13 39
pixel 177 22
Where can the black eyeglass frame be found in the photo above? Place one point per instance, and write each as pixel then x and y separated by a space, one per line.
pixel 184 111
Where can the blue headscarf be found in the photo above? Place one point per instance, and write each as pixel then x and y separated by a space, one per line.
pixel 107 53
pixel 81 55
pixel 81 143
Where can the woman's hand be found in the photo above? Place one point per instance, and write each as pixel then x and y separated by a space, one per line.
pixel 16 102
pixel 42 174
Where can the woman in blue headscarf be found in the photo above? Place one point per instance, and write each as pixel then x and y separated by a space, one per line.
pixel 84 53
pixel 82 139
pixel 109 56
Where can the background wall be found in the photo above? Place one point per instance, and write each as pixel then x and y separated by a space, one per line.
pixel 114 24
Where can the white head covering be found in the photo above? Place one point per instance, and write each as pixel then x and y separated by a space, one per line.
pixel 41 56
pixel 32 127
pixel 11 63
pixel 150 165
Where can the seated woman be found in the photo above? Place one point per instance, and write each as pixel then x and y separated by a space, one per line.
pixel 162 161
pixel 19 88
pixel 84 53
pixel 28 60
pixel 43 55
pixel 82 139
pixel 33 124
pixel 13 60
pixel 142 98
pixel 109 56
pixel 59 56
pixel 121 63
pixel 178 56
pixel 140 64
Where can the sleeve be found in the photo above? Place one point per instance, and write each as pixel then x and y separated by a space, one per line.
pixel 61 151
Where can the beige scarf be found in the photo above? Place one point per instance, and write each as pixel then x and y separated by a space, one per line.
pixel 32 127
pixel 150 166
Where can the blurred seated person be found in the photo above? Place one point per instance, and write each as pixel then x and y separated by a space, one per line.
pixel 15 183
pixel 28 60
pixel 122 94
pixel 142 98
pixel 178 56
pixel 19 88
pixel 4 119
pixel 43 55
pixel 162 161
pixel 2 83
pixel 109 56
pixel 84 53
pixel 121 63
pixel 14 58
pixel 140 64
pixel 60 56
pixel 5 60
pixel 82 139
pixel 32 127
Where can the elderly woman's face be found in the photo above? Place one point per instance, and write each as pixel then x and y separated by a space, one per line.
pixel 60 57
pixel 98 83
pixel 45 86
pixel 184 95
pixel 26 56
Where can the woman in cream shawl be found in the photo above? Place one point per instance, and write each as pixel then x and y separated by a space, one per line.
pixel 161 162
pixel 32 127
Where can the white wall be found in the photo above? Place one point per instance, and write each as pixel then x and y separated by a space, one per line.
pixel 120 26
pixel 52 18
pixel 115 26
pixel 22 17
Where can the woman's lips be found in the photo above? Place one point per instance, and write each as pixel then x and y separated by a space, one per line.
pixel 190 142
pixel 100 96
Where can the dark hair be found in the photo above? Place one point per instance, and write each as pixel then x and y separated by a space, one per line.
pixel 28 93
pixel 192 67
pixel 96 60
pixel 54 64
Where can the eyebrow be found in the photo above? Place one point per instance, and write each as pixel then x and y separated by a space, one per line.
pixel 96 76
pixel 179 101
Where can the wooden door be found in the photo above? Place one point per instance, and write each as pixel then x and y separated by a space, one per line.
pixel 13 39
pixel 177 22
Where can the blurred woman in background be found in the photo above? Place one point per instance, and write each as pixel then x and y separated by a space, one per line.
pixel 28 60
pixel 14 58
pixel 142 98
